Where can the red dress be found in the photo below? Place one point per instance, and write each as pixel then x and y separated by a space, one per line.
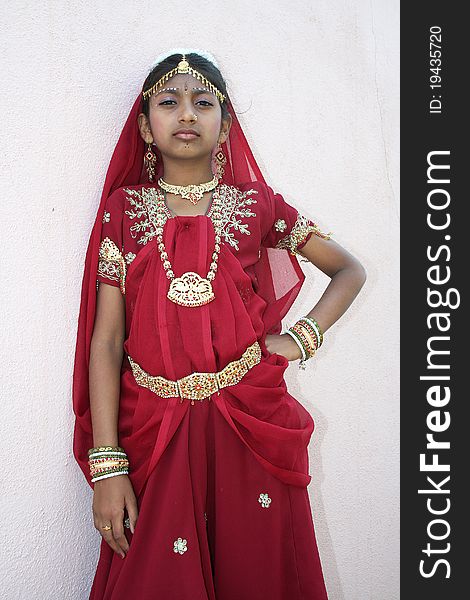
pixel 221 485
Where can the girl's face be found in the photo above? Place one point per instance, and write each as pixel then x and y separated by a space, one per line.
pixel 184 103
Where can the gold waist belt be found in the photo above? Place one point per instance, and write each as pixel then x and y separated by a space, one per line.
pixel 198 386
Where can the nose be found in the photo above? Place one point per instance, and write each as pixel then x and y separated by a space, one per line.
pixel 187 111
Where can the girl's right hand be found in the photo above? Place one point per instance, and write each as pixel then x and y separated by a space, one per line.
pixel 110 497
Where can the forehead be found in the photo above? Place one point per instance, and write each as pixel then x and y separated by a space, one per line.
pixel 182 80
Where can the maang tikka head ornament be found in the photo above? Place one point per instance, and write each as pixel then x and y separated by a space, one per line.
pixel 184 67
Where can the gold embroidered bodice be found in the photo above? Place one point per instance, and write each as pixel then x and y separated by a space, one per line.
pixel 234 204
pixel 237 209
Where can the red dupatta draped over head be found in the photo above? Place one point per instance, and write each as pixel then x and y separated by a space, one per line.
pixel 278 272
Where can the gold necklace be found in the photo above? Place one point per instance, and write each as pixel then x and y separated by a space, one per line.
pixel 191 192
pixel 190 289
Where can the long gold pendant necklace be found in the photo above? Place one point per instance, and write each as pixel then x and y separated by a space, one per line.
pixel 190 289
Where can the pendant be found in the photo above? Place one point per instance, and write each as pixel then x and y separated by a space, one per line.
pixel 190 290
pixel 193 197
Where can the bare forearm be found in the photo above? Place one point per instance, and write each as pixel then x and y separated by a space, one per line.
pixel 338 296
pixel 104 384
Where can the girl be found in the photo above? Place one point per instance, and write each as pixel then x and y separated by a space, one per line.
pixel 195 450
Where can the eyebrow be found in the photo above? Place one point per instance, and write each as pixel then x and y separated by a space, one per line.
pixel 174 90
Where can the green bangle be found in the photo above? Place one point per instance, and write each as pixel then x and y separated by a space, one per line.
pixel 316 328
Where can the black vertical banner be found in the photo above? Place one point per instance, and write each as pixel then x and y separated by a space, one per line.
pixel 435 254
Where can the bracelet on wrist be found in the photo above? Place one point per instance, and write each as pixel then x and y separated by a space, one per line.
pixel 307 334
pixel 107 461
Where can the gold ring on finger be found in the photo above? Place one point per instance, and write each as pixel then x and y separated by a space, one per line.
pixel 107 527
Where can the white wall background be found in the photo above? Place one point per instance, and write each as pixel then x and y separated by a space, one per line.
pixel 317 84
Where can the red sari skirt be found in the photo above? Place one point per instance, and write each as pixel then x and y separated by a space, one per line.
pixel 243 533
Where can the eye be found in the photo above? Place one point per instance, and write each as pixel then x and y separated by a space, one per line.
pixel 207 103
pixel 165 101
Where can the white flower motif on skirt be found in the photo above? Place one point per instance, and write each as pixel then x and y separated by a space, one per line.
pixel 280 225
pixel 179 545
pixel 106 217
pixel 264 500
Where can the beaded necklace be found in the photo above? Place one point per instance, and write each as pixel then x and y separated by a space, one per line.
pixel 190 289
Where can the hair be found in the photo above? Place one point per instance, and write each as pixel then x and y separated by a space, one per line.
pixel 201 64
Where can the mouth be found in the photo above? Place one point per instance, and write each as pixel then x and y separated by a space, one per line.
pixel 186 134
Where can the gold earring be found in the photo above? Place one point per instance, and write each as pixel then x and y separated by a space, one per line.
pixel 150 160
pixel 220 162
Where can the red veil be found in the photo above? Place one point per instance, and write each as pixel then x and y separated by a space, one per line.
pixel 278 272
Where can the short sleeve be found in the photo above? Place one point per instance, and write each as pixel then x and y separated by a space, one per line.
pixel 286 227
pixel 111 263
